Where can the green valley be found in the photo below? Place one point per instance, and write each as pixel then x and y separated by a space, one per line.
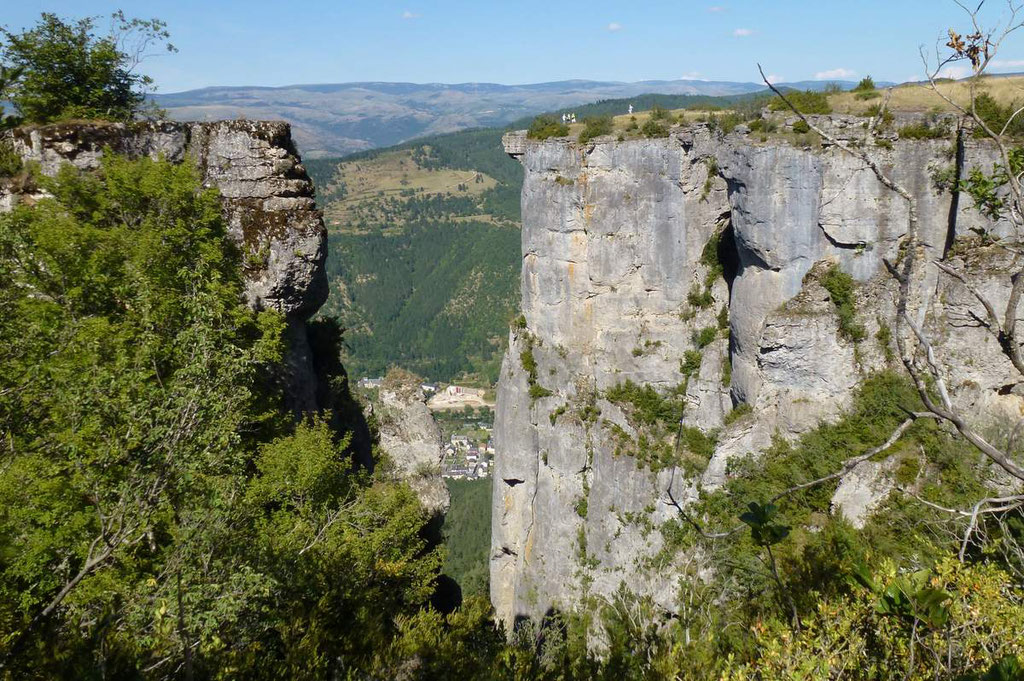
pixel 424 254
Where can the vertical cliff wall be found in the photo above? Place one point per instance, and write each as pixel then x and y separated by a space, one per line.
pixel 692 264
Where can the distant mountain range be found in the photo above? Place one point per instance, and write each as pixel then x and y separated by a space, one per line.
pixel 338 119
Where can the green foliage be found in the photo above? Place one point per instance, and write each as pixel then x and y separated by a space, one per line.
pixel 801 127
pixel 884 338
pixel 806 102
pixel 711 163
pixel 924 130
pixel 659 113
pixel 64 70
pixel 763 530
pixel 537 391
pixel 652 128
pixel 997 117
pixel 763 125
pixel 434 298
pixel 698 443
pixel 10 162
pixel 151 468
pixel 875 110
pixel 581 506
pixel 699 298
pixel 467 534
pixel 435 295
pixel 690 364
pixel 987 190
pixel 648 406
pixel 705 337
pixel 841 288
pixel 739 412
pixel 595 126
pixel 912 598
pixel 529 362
pixel 866 84
pixel 546 126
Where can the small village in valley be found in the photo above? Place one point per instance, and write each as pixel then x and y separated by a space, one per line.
pixel 465 417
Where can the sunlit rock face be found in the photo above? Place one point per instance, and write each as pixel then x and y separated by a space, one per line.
pixel 640 254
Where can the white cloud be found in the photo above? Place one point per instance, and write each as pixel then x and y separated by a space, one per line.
pixel 692 75
pixel 773 78
pixel 410 15
pixel 835 74
pixel 955 72
pixel 743 32
pixel 614 26
pixel 716 8
pixel 1007 63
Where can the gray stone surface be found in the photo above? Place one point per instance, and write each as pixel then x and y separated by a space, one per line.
pixel 411 439
pixel 612 239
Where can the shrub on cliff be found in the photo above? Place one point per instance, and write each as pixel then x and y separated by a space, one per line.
pixel 595 126
pixel 546 126
pixel 63 69
pixel 653 128
pixel 807 101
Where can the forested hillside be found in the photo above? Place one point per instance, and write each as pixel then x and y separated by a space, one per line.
pixel 424 254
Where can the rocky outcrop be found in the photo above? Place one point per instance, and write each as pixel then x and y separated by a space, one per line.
pixel 694 264
pixel 267 197
pixel 410 437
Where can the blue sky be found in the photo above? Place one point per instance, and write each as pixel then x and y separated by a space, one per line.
pixel 253 42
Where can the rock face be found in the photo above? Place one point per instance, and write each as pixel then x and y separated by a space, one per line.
pixel 412 440
pixel 268 203
pixel 694 263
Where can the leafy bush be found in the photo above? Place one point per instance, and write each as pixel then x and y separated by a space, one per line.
pixel 841 288
pixel 699 298
pixel 763 125
pixel 996 116
pixel 801 127
pixel 652 128
pixel 648 405
pixel 807 102
pixel 10 162
pixel 595 126
pixel 546 126
pixel 659 113
pixel 924 131
pixel 705 337
pixel 690 363
pixel 866 84
pixel 65 71
pixel 739 411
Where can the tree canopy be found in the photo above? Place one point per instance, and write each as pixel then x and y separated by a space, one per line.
pixel 62 69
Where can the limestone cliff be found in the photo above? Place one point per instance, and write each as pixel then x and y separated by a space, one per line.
pixel 694 264
pixel 267 197
pixel 411 438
